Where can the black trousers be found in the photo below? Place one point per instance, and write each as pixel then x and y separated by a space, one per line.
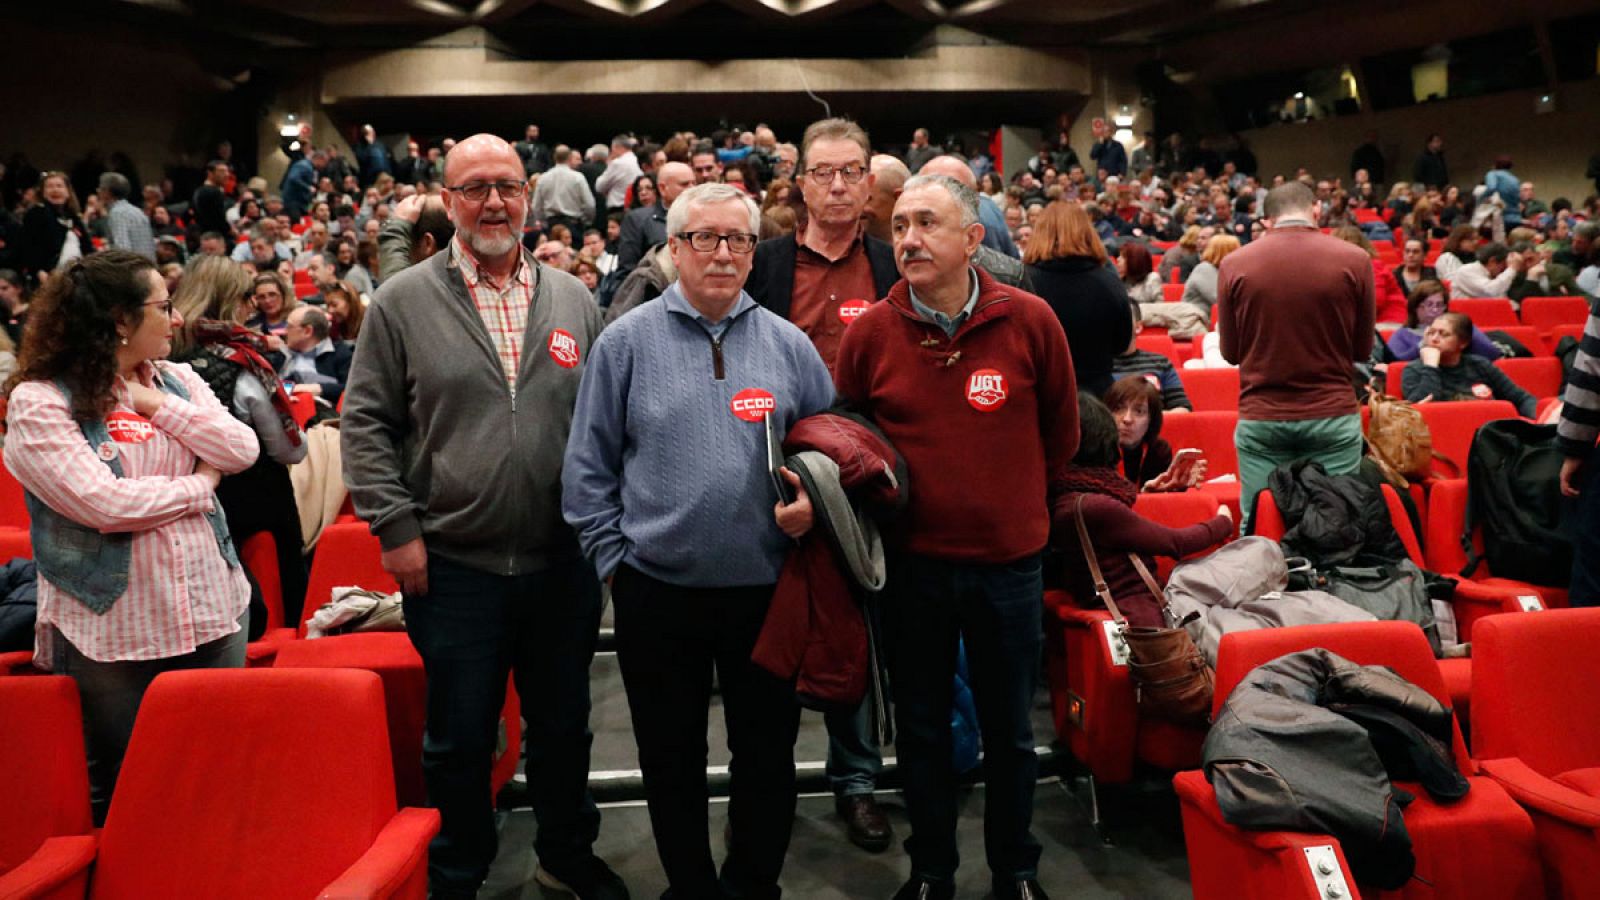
pixel 669 638
pixel 261 498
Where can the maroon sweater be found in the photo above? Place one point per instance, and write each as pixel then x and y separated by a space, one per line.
pixel 1117 530
pixel 980 418
pixel 1295 310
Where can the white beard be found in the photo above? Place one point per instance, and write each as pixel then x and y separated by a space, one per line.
pixel 486 246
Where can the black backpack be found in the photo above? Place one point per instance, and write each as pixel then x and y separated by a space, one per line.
pixel 1514 494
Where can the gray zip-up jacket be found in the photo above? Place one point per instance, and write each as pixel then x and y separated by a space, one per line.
pixel 437 444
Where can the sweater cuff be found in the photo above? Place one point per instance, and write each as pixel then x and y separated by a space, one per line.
pixel 173 415
pixel 1574 448
pixel 398 531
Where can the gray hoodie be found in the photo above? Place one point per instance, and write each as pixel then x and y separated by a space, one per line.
pixel 437 444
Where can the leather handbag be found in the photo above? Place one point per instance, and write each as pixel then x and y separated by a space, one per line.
pixel 1171 678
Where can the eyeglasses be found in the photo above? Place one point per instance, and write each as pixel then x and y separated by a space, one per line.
pixel 707 241
pixel 164 305
pixel 478 191
pixel 824 174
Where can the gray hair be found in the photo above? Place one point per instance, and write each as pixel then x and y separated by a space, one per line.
pixel 966 198
pixel 115 184
pixel 707 195
pixel 1590 230
pixel 316 320
pixel 597 152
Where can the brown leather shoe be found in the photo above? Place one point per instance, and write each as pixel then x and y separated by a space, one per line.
pixel 869 827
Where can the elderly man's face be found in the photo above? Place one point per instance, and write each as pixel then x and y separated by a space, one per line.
pixel 298 335
pixel 712 279
pixel 931 245
pixel 835 200
pixel 491 226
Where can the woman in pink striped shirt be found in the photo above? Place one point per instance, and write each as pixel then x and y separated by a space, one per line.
pixel 120 455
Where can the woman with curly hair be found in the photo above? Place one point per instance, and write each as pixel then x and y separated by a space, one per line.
pixel 213 300
pixel 120 454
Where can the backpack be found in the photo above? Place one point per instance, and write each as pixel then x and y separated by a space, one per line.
pixel 1510 347
pixel 1398 440
pixel 1514 494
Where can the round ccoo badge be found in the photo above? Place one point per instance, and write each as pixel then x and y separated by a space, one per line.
pixel 751 404
pixel 1482 391
pixel 850 310
pixel 986 390
pixel 563 348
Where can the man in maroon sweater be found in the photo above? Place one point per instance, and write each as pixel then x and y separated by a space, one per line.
pixel 1295 310
pixel 972 381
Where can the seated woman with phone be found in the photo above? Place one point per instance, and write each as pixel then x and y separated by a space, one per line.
pixel 1147 459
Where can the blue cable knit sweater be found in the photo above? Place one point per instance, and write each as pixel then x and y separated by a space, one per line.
pixel 666 465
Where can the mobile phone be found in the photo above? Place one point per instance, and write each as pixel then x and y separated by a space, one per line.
pixel 1183 463
pixel 775 462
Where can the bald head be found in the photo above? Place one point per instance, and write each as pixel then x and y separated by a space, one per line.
pixel 672 179
pixel 889 176
pixel 890 171
pixel 952 167
pixel 478 148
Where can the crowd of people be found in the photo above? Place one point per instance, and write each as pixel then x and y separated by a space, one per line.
pixel 552 367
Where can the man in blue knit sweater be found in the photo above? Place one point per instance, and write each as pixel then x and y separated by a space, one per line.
pixel 666 482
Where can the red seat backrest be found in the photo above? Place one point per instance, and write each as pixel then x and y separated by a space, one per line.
pixel 43 776
pixel 1212 389
pixel 1176 510
pixel 1527 336
pixel 348 554
pixel 1209 432
pixel 1486 312
pixel 1453 423
pixel 1527 671
pixel 1172 292
pixel 15 542
pixel 1447 517
pixel 1394 380
pixel 1545 313
pixel 13 508
pixel 1538 375
pixel 1561 331
pixel 218 762
pixel 259 553
pixel 1159 343
pixel 1269 521
pixel 1399 645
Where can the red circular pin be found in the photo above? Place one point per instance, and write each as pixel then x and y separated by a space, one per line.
pixel 1482 391
pixel 751 404
pixel 986 390
pixel 563 348
pixel 129 428
pixel 850 310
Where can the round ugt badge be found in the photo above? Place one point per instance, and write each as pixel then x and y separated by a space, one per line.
pixel 986 390
pixel 751 404
pixel 1482 391
pixel 563 348
pixel 850 310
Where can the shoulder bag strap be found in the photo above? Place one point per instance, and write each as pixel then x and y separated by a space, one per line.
pixel 1100 588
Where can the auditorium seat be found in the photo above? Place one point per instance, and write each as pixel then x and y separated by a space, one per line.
pixel 1537 733
pixel 1538 375
pixel 1210 432
pixel 1172 291
pixel 1487 312
pixel 1452 425
pixel 1482 846
pixel 1545 313
pixel 259 553
pixel 13 508
pixel 1561 331
pixel 405 689
pixel 1160 343
pixel 261 783
pixel 1447 517
pixel 1212 389
pixel 1393 379
pixel 1527 336
pixel 348 555
pixel 46 834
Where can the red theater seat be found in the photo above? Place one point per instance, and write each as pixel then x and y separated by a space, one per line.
pixel 1211 389
pixel 1536 731
pixel 1452 425
pixel 1162 344
pixel 1561 331
pixel 1447 518
pixel 1480 848
pixel 348 554
pixel 1487 312
pixel 1173 291
pixel 46 835
pixel 13 508
pixel 1212 434
pixel 1529 337
pixel 259 553
pixel 1545 313
pixel 261 783
pixel 1538 375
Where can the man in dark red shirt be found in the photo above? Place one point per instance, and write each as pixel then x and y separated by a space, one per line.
pixel 1295 310
pixel 972 382
pixel 821 278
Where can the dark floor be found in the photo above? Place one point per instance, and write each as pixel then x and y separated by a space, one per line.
pixel 1145 859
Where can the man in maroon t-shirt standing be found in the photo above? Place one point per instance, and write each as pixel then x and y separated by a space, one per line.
pixel 1295 310
pixel 972 381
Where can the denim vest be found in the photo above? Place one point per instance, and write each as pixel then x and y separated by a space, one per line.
pixel 90 565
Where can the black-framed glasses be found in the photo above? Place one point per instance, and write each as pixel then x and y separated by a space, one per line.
pixel 852 174
pixel 707 241
pixel 164 305
pixel 478 191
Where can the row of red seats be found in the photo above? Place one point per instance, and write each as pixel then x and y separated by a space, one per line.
pixel 209 801
pixel 1529 826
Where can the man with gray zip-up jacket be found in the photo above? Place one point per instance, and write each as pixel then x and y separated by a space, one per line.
pixel 456 416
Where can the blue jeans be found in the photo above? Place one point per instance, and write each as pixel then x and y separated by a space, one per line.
pixel 1583 524
pixel 854 758
pixel 996 610
pixel 472 628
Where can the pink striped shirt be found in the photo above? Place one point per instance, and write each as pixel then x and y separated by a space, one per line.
pixel 181 593
pixel 504 308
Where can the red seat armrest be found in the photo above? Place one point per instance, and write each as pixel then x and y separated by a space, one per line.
pixel 1540 794
pixel 1473 600
pixel 59 869
pixel 392 865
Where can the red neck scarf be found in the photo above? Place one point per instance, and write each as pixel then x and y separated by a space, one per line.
pixel 245 348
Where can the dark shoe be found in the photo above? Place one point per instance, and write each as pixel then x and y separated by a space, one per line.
pixel 919 888
pixel 1026 889
pixel 451 893
pixel 589 880
pixel 869 827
